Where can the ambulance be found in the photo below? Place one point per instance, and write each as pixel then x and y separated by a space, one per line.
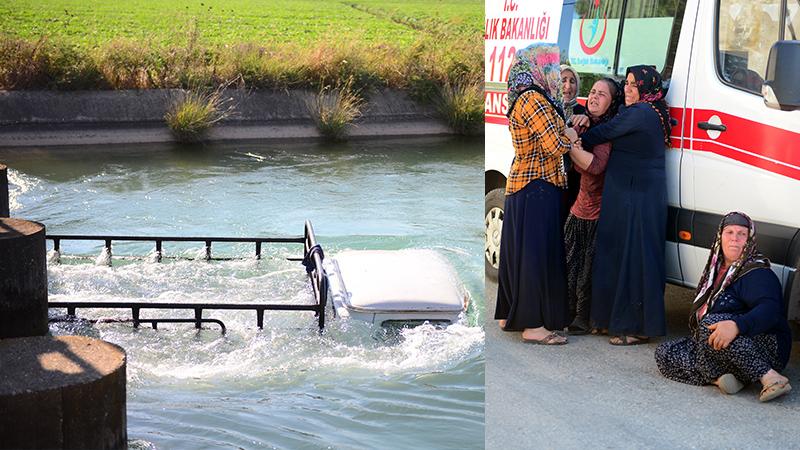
pixel 732 69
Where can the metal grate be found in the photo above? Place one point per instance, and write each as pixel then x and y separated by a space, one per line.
pixel 312 260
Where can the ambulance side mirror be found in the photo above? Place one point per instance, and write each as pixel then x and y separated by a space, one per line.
pixel 781 88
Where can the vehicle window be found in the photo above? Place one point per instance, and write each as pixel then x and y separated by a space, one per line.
pixel 792 31
pixel 746 31
pixel 650 32
pixel 593 37
pixel 646 33
pixel 666 72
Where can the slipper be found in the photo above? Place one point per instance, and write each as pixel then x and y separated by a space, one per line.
pixel 773 390
pixel 550 339
pixel 729 384
pixel 624 340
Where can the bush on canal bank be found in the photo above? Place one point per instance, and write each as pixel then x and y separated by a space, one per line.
pixel 191 115
pixel 334 109
pixel 460 105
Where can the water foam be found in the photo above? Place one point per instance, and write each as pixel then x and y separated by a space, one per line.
pixel 289 347
pixel 18 185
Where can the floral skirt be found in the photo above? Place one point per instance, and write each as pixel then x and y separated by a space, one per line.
pixel 691 360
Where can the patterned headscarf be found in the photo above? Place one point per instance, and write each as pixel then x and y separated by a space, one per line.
pixel 569 105
pixel 750 259
pixel 648 80
pixel 536 68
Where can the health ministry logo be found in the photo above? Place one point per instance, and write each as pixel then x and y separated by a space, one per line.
pixel 593 27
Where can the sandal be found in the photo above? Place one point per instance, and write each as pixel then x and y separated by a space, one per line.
pixel 550 339
pixel 774 390
pixel 624 340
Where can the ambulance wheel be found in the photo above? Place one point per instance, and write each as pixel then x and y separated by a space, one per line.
pixel 791 295
pixel 493 226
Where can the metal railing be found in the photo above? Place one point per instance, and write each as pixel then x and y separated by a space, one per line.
pixel 159 240
pixel 312 260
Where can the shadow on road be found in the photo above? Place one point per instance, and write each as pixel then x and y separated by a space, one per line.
pixel 591 393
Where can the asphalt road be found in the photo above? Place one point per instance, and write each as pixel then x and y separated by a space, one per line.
pixel 591 394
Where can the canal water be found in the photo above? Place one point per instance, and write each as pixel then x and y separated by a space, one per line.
pixel 286 386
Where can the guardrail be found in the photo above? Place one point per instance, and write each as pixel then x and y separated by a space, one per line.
pixel 312 260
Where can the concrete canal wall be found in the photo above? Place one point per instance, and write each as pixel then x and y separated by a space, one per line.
pixel 35 118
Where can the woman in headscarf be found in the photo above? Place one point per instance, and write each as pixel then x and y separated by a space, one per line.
pixel 531 294
pixel 628 271
pixel 739 330
pixel 571 88
pixel 579 231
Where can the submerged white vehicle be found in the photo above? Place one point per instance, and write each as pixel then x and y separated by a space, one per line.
pixel 384 287
pixel 387 287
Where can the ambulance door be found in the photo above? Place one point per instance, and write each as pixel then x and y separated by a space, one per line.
pixel 743 155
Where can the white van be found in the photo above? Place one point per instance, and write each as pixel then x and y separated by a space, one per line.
pixel 736 145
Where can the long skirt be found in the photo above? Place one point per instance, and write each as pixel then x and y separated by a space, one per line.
pixel 532 282
pixel 691 360
pixel 628 271
pixel 579 242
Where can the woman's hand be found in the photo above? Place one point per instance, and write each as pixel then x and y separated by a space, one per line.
pixel 580 120
pixel 723 333
pixel 571 134
pixel 579 156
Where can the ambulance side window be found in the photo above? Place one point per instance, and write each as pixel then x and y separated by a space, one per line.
pixel 647 31
pixel 746 29
pixel 649 35
pixel 792 31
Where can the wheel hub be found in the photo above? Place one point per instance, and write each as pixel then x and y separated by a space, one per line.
pixel 494 226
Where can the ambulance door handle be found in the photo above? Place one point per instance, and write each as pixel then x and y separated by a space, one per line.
pixel 711 126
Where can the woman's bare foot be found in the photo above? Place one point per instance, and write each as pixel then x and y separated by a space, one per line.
pixel 502 323
pixel 774 384
pixel 542 335
pixel 771 377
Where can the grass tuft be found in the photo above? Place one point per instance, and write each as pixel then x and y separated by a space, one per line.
pixel 334 109
pixel 192 114
pixel 461 105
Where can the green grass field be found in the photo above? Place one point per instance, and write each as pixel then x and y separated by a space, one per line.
pixel 424 47
pixel 91 23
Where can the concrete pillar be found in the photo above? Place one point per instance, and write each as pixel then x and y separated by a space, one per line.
pixel 23 279
pixel 4 206
pixel 63 392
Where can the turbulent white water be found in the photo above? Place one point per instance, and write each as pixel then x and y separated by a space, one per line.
pixel 18 185
pixel 287 386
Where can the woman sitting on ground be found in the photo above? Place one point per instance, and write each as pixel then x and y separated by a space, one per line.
pixel 739 328
pixel 579 231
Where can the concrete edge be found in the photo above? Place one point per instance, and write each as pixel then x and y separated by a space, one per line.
pixel 48 118
pixel 69 134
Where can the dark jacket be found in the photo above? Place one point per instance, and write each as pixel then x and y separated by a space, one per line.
pixel 756 300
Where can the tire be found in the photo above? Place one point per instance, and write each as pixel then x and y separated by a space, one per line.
pixel 493 225
pixel 791 296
